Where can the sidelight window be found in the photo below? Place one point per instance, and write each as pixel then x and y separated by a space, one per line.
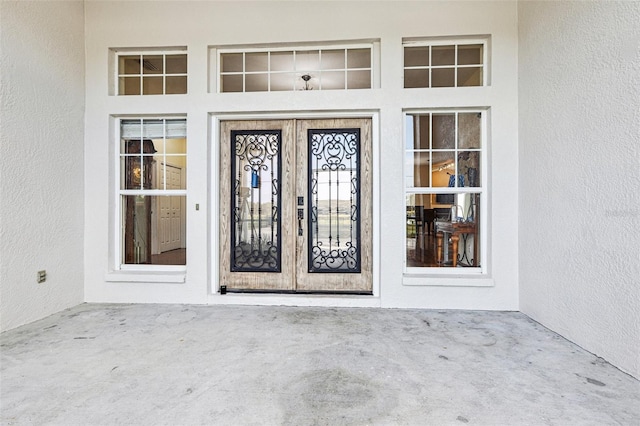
pixel 445 188
pixel 151 166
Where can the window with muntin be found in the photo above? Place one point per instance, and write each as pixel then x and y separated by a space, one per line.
pixel 151 73
pixel 337 67
pixel 445 63
pixel 445 189
pixel 152 166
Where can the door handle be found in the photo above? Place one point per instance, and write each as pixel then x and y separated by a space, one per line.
pixel 300 218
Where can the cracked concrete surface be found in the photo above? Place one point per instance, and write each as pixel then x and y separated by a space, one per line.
pixel 239 365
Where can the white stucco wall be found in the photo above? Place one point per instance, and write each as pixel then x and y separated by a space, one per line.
pixel 198 25
pixel 579 163
pixel 41 152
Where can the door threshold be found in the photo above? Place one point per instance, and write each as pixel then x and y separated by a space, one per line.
pixel 304 292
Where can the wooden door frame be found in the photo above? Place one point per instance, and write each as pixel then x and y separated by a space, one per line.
pixel 213 266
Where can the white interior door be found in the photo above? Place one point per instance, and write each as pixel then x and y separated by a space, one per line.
pixel 170 208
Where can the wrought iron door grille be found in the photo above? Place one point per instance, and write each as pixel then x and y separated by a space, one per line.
pixel 255 201
pixel 334 200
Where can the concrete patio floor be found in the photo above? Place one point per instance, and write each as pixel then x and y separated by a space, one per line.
pixel 240 365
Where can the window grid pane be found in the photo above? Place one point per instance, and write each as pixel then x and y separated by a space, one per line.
pixel 152 74
pixel 326 69
pixel 451 65
pixel 147 148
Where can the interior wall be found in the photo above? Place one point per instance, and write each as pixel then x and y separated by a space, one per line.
pixel 41 178
pixel 579 183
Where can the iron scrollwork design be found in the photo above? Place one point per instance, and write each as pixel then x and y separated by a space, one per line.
pixel 334 222
pixel 255 228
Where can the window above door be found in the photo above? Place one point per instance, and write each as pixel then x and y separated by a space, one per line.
pixel 336 66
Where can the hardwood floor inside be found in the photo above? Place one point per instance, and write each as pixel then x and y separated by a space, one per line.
pixel 421 251
pixel 171 257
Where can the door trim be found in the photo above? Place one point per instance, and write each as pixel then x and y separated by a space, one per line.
pixel 299 297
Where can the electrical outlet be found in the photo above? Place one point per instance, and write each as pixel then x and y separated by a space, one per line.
pixel 42 276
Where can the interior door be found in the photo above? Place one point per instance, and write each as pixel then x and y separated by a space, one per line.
pixel 296 211
pixel 170 220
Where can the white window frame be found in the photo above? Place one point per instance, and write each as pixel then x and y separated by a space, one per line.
pixel 483 189
pixel 114 60
pixel 432 42
pixel 217 51
pixel 118 244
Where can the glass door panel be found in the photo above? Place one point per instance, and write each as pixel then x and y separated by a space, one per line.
pixel 334 200
pixel 255 200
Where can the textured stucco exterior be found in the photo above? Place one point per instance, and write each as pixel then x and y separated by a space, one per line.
pixel 579 64
pixel 41 179
pixel 564 107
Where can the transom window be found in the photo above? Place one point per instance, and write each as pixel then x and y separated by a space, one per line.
pixel 151 73
pixel 287 69
pixel 445 189
pixel 152 187
pixel 445 64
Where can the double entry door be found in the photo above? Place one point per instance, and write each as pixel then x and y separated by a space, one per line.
pixel 296 209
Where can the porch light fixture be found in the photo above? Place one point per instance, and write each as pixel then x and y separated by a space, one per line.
pixel 306 78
